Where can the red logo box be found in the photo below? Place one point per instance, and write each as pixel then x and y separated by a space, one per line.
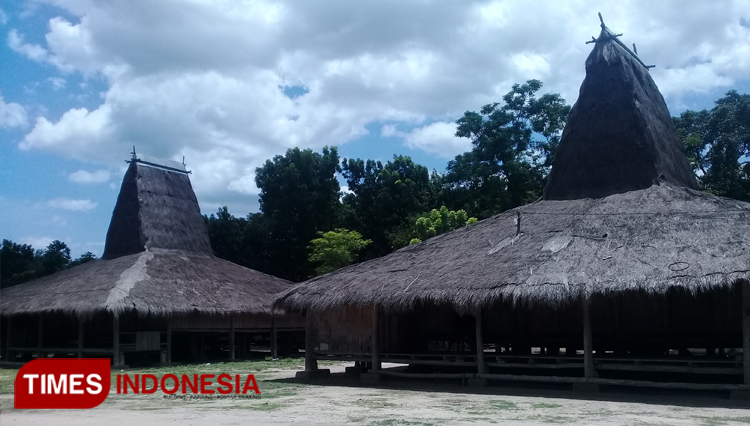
pixel 62 383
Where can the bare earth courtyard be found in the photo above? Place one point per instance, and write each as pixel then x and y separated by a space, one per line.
pixel 347 401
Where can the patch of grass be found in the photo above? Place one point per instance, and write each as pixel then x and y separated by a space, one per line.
pixel 265 406
pixel 503 405
pixel 545 405
pixel 394 422
pixel 7 376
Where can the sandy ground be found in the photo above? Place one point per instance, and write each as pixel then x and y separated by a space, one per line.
pixel 344 400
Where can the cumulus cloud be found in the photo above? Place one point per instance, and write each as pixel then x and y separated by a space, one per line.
pixel 190 79
pixel 36 242
pixel 438 138
pixel 72 204
pixel 82 176
pixel 34 52
pixel 12 114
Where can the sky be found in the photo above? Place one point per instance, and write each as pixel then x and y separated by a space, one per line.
pixel 230 84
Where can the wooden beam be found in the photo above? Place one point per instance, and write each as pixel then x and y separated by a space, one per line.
pixel 588 343
pixel 274 342
pixel 115 340
pixel 310 363
pixel 481 366
pixel 169 340
pixel 80 337
pixel 746 330
pixel 375 332
pixel 7 339
pixel 231 337
pixel 39 337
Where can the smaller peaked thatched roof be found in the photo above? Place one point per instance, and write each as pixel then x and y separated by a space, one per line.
pixel 620 212
pixel 157 260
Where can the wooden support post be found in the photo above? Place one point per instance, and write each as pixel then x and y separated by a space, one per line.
pixel 746 330
pixel 310 363
pixel 7 339
pixel 375 332
pixel 588 344
pixel 116 341
pixel 169 340
pixel 39 337
pixel 231 337
pixel 80 337
pixel 481 367
pixel 274 343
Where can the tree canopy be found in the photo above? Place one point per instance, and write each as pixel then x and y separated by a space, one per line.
pixel 717 143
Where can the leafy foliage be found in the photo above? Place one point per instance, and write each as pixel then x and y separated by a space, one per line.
pixel 509 160
pixel 438 222
pixel 84 258
pixel 299 197
pixel 385 196
pixel 717 143
pixel 335 249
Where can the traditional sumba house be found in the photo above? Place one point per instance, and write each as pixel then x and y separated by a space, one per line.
pixel 157 295
pixel 623 273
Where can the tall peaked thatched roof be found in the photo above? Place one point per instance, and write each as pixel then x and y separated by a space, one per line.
pixel 619 136
pixel 620 212
pixel 156 208
pixel 157 260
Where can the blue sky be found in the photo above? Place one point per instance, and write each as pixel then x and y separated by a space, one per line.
pixel 230 84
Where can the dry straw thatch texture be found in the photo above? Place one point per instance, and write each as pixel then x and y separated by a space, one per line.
pixel 649 240
pixel 621 212
pixel 157 261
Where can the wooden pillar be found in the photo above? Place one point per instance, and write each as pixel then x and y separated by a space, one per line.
pixel 588 343
pixel 481 367
pixel 274 343
pixel 745 330
pixel 80 337
pixel 169 340
pixel 39 337
pixel 310 363
pixel 231 337
pixel 7 340
pixel 375 333
pixel 116 340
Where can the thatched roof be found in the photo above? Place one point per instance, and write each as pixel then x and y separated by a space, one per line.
pixel 619 136
pixel 649 239
pixel 156 208
pixel 157 260
pixel 620 213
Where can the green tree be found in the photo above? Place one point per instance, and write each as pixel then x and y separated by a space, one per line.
pixel 299 197
pixel 225 233
pixel 513 147
pixel 335 249
pixel 84 258
pixel 16 263
pixel 437 222
pixel 54 258
pixel 384 197
pixel 717 143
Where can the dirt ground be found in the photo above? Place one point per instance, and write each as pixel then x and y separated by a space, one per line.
pixel 346 400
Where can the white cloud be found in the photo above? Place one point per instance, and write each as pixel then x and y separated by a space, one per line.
pixel 34 52
pixel 57 82
pixel 438 138
pixel 38 243
pixel 12 114
pixel 71 204
pixel 82 176
pixel 190 79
